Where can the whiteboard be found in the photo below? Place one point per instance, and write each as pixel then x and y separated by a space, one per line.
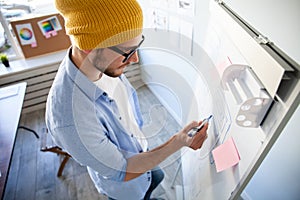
pixel 189 87
pixel 169 68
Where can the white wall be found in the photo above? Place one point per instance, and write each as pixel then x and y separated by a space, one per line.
pixel 278 177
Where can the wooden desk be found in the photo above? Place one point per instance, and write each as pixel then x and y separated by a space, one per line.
pixel 11 101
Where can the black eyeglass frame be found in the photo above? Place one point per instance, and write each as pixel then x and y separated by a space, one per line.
pixel 127 55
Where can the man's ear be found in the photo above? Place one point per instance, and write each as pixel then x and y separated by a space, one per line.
pixel 87 51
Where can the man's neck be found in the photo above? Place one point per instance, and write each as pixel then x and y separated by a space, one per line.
pixel 81 61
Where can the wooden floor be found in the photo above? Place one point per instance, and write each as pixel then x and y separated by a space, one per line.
pixel 32 174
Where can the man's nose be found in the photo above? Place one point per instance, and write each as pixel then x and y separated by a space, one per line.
pixel 134 58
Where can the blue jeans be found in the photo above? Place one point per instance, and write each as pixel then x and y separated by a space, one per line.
pixel 157 175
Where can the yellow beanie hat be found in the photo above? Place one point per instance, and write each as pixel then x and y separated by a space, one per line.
pixel 100 23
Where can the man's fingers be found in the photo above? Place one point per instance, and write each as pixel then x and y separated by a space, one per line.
pixel 190 126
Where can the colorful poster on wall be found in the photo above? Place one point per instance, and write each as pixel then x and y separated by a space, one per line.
pixel 50 26
pixel 26 34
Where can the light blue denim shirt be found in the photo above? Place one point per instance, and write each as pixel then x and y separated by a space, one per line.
pixel 85 121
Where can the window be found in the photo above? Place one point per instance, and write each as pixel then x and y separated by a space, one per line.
pixel 18 9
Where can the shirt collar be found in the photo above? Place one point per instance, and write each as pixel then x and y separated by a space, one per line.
pixel 80 80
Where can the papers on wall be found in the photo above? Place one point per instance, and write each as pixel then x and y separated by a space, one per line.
pixel 186 7
pixel 49 26
pixel 186 33
pixel 159 19
pixel 26 34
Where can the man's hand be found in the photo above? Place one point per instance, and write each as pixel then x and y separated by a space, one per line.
pixel 142 162
pixel 197 140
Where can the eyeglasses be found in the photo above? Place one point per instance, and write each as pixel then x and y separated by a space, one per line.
pixel 127 55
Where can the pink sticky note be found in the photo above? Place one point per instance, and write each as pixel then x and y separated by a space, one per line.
pixel 47 35
pixel 53 33
pixel 226 155
pixel 34 44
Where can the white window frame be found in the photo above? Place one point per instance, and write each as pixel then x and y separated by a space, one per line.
pixel 18 53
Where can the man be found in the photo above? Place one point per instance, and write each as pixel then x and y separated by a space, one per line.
pixel 92 110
